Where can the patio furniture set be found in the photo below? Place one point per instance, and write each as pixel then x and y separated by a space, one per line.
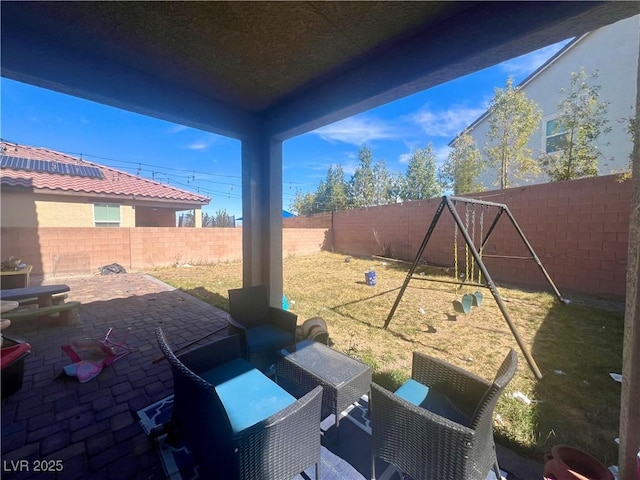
pixel 249 406
pixel 41 301
pixel 24 303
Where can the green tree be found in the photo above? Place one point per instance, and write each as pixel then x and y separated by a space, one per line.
pixel 463 166
pixel 397 188
pixel 581 122
pixel 632 130
pixel 331 194
pixel 420 179
pixel 187 219
pixel 207 220
pixel 513 119
pixel 361 186
pixel 303 203
pixel 382 187
pixel 222 220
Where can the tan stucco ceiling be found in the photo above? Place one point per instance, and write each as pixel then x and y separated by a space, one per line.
pixel 291 65
pixel 246 53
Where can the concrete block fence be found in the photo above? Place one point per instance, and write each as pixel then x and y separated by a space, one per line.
pixel 63 251
pixel 579 230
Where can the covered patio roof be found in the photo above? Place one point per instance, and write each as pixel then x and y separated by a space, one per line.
pixel 288 67
pixel 264 72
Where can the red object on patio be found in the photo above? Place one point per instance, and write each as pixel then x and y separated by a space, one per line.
pixel 12 367
pixel 568 463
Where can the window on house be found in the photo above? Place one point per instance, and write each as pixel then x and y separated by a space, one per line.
pixel 106 215
pixel 555 135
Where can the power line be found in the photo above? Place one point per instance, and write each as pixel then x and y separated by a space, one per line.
pixel 153 171
pixel 81 155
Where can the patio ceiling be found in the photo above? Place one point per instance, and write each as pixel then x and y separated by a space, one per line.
pixel 266 71
pixel 289 67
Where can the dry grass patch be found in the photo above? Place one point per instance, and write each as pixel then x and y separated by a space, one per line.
pixel 579 405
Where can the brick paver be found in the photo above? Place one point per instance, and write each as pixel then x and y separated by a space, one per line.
pixel 91 427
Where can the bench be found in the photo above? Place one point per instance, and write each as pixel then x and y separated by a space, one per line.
pixel 67 313
pixel 56 299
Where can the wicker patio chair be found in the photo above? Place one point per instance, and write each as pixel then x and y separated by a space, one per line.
pixel 237 422
pixel 263 330
pixel 439 424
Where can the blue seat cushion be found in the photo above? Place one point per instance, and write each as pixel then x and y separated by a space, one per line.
pixel 430 399
pixel 247 394
pixel 267 336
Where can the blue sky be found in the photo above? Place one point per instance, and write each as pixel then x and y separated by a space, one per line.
pixel 210 164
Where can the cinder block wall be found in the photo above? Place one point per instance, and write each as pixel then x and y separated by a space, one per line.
pixel 579 229
pixel 319 220
pixel 62 251
pixel 305 241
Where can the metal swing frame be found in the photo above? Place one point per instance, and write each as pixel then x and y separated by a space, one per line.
pixel 448 202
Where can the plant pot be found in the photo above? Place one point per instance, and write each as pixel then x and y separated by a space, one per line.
pixel 568 463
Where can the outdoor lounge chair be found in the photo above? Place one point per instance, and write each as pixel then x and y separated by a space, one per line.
pixel 237 422
pixel 263 330
pixel 439 424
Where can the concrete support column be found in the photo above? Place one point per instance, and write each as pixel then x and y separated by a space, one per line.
pixel 262 215
pixel 629 404
pixel 197 217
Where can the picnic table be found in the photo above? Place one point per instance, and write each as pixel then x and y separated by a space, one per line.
pixel 48 299
pixel 44 293
pixel 7 306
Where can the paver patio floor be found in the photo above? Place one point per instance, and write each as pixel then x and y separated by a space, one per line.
pixel 91 428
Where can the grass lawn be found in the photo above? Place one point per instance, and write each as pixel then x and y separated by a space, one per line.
pixel 576 346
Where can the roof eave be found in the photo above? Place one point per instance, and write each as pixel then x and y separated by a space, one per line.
pixel 130 199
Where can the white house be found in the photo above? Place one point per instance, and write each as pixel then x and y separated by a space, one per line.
pixel 613 51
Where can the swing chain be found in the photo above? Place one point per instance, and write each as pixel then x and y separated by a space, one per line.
pixel 455 251
pixel 481 240
pixel 466 248
pixel 473 241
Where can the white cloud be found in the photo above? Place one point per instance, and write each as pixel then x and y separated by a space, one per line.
pixel 358 131
pixel 199 145
pixel 203 143
pixel 404 158
pixel 176 129
pixel 447 123
pixel 526 64
pixel 350 167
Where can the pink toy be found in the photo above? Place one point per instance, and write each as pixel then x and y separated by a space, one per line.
pixel 90 356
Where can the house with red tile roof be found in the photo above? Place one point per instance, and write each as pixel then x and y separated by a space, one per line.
pixel 45 188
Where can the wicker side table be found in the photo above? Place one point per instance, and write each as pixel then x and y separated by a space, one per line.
pixel 308 364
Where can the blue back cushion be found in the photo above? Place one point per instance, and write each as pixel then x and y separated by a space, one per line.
pixel 429 399
pixel 247 395
pixel 249 306
pixel 266 336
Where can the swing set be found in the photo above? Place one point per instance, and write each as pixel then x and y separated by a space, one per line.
pixel 475 273
pixel 468 300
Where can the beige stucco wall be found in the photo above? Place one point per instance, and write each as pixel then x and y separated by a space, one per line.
pixel 613 51
pixel 127 216
pixel 36 210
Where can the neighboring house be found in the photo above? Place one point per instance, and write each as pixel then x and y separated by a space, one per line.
pixel 44 188
pixel 613 52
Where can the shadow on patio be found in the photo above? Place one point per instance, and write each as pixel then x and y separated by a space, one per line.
pixel 92 427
